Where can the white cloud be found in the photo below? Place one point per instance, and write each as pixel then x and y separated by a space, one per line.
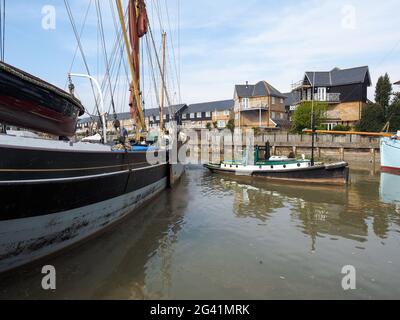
pixel 280 44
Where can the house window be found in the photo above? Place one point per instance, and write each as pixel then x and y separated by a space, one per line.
pixel 184 116
pixel 281 100
pixel 321 94
pixel 192 115
pixel 208 114
pixel 226 113
pixel 273 114
pixel 282 116
pixel 158 118
pixel 198 115
pixel 273 100
pixel 221 124
pixel 245 103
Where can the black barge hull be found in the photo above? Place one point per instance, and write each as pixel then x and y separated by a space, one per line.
pixel 51 199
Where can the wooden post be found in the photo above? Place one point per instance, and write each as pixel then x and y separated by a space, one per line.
pixel 373 154
pixel 342 154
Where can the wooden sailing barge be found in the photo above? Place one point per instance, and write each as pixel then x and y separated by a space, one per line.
pixel 57 193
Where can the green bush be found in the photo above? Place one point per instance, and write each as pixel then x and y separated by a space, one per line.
pixel 302 116
pixel 341 127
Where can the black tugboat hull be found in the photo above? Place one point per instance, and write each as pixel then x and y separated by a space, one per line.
pixel 29 102
pixel 59 198
pixel 335 174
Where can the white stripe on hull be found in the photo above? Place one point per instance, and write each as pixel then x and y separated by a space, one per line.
pixel 25 240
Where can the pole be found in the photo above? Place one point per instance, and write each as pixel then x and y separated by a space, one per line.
pixel 103 114
pixel 164 40
pixel 312 122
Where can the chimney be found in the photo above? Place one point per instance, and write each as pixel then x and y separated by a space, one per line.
pixel 247 84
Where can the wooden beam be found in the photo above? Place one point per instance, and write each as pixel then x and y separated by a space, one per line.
pixel 370 134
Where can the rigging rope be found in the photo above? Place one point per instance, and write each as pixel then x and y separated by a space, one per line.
pixel 2 28
pixel 72 21
pixel 100 21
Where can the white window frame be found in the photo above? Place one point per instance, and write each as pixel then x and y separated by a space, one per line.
pixel 208 114
pixel 183 115
pixel 273 114
pixel 192 115
pixel 321 94
pixel 273 100
pixel 246 103
pixel 199 115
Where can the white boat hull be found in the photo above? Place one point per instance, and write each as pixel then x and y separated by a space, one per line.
pixel 390 155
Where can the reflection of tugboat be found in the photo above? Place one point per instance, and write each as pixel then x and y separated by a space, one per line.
pixel 390 154
pixel 284 168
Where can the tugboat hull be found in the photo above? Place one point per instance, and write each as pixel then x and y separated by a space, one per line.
pixel 334 174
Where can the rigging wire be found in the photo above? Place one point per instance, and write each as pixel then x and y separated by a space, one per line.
pixel 2 29
pixel 101 31
pixel 80 34
pixel 72 21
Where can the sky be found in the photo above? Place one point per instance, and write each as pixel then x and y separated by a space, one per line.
pixel 213 45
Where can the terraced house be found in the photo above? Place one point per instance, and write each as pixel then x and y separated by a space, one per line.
pixel 344 90
pixel 259 105
pixel 215 113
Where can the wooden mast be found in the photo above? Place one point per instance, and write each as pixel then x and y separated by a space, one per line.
pixel 162 126
pixel 135 78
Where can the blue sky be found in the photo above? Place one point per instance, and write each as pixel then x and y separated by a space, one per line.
pixel 222 43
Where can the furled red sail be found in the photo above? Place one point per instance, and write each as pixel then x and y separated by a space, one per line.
pixel 138 26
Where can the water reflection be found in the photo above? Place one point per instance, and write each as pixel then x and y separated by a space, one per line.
pixel 323 211
pixel 389 191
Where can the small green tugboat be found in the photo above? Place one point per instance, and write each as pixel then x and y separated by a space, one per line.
pixel 262 165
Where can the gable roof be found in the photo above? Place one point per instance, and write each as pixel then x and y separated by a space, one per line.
pixel 153 112
pixel 261 89
pixel 337 77
pixel 291 98
pixel 211 106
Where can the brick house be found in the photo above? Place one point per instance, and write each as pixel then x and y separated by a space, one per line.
pixel 259 105
pixel 345 91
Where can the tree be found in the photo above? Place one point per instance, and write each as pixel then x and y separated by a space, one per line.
pixel 393 116
pixel 302 116
pixel 383 91
pixel 231 125
pixel 372 118
pixel 209 126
